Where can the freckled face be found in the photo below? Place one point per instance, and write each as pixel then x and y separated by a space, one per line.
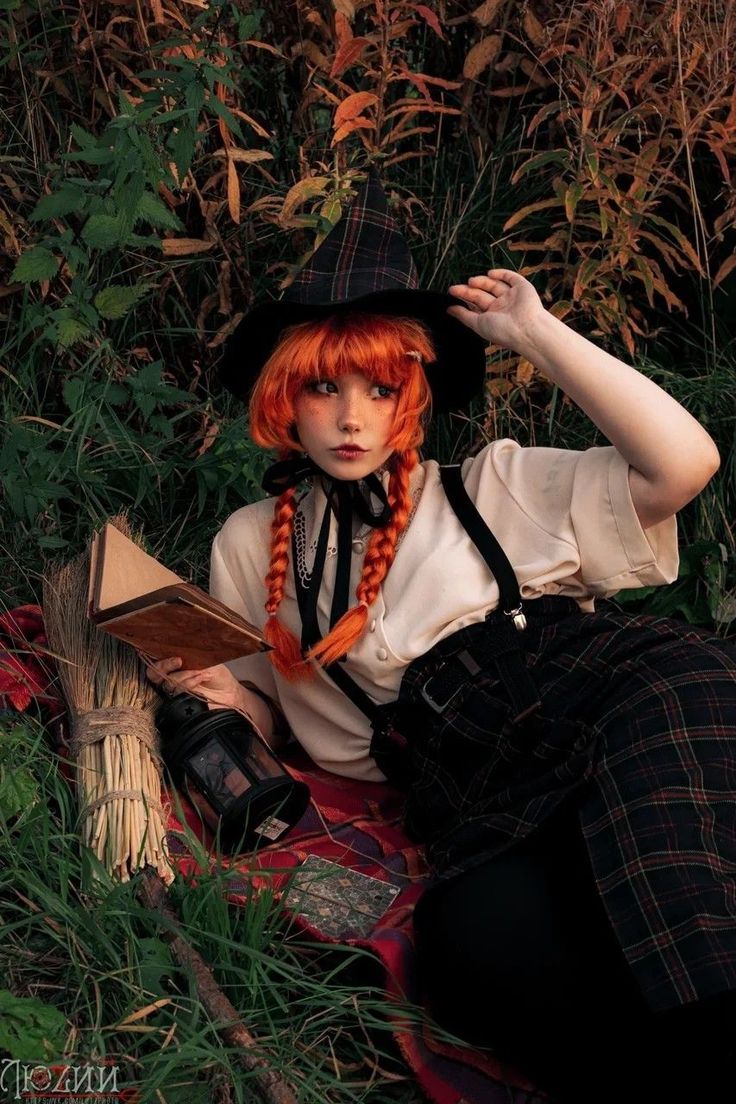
pixel 344 424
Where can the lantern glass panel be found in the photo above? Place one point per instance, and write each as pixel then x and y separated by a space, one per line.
pixel 260 762
pixel 224 779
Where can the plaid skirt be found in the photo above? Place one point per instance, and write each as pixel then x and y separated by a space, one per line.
pixel 637 726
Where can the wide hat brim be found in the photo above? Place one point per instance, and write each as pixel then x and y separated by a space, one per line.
pixel 455 377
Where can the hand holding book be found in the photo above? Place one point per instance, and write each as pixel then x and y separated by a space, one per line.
pixel 138 600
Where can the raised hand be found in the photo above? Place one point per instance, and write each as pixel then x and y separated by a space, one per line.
pixel 501 307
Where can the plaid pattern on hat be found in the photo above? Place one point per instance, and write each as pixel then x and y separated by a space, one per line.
pixel 364 252
pixel 638 722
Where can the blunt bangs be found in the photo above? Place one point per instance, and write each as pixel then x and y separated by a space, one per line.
pixel 383 348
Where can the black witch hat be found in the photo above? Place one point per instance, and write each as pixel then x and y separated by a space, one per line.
pixel 362 265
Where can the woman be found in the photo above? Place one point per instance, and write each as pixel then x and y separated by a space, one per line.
pixel 569 770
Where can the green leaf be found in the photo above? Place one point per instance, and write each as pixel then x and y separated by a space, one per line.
pixel 101 232
pixel 29 1029
pixel 84 140
pixel 154 211
pixel 102 155
pixel 58 204
pixel 73 392
pixel 70 329
pixel 226 114
pixel 194 95
pixel 36 263
pixel 249 25
pixel 116 300
pixel 52 543
pixel 155 964
pixel 182 146
pixel 128 191
pixel 18 791
pixel 557 157
pixel 116 394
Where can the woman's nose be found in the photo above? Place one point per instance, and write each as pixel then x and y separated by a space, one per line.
pixel 349 416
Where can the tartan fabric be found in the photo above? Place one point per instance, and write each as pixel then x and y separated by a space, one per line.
pixel 359 826
pixel 364 252
pixel 638 721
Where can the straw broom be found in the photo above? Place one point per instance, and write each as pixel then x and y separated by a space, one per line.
pixel 114 743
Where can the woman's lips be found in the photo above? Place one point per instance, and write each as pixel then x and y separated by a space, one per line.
pixel 349 452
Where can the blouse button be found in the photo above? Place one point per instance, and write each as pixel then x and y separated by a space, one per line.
pixel 382 653
pixel 358 546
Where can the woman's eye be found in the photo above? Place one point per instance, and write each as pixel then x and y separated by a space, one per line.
pixel 324 387
pixel 383 391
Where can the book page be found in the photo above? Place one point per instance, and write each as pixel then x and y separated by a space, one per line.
pixel 125 571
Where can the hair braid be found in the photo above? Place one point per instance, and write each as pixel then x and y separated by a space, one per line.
pixel 379 556
pixel 382 546
pixel 286 656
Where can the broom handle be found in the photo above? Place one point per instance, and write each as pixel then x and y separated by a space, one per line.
pixel 270 1085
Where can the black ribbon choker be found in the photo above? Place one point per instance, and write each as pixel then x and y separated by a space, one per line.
pixel 344 498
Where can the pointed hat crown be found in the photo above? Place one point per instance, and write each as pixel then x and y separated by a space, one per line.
pixel 364 252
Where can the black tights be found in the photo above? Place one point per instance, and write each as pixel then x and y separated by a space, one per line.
pixel 518 955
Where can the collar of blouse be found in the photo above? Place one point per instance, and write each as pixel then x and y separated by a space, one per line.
pixel 344 497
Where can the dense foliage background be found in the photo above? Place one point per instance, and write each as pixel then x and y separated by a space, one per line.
pixel 166 163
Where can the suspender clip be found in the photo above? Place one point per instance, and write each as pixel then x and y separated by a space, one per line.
pixel 518 617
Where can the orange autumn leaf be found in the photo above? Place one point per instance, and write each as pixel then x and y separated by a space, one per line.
pixel 353 106
pixel 480 56
pixel 487 12
pixel 183 247
pixel 347 55
pixel 533 27
pixel 524 371
pixel 360 123
pixel 233 191
pixel 727 267
pixel 429 17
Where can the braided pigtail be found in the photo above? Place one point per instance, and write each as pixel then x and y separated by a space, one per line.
pixel 379 556
pixel 286 656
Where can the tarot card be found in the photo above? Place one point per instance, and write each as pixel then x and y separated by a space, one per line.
pixel 337 901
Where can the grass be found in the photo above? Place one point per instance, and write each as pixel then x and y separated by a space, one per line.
pixel 87 948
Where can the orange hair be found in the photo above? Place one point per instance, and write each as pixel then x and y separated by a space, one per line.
pixel 384 349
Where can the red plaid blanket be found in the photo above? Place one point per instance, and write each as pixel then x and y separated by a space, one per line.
pixel 354 825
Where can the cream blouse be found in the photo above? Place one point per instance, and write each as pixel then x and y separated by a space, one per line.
pixel 565 520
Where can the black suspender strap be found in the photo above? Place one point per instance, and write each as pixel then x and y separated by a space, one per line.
pixel 389 746
pixel 341 594
pixel 306 594
pixel 485 542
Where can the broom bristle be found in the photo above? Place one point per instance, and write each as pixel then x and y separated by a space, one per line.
pixel 98 672
pixel 70 633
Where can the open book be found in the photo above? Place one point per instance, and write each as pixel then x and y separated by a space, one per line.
pixel 138 600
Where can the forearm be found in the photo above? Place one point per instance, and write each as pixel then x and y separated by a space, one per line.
pixel 265 714
pixel 657 436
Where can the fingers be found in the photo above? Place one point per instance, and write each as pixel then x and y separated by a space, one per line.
pixel 160 668
pixel 495 282
pixel 507 275
pixel 476 296
pixel 159 673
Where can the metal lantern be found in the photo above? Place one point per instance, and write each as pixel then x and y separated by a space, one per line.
pixel 219 760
